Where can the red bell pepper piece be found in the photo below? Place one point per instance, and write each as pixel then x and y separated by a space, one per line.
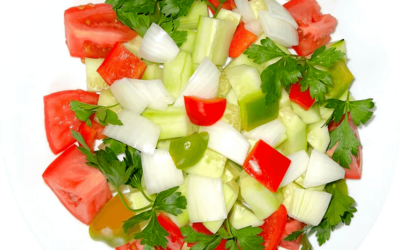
pixel 292 225
pixel 228 5
pixel 241 40
pixel 303 99
pixel 121 63
pixel 266 165
pixel 273 228
pixel 204 112
pixel 91 134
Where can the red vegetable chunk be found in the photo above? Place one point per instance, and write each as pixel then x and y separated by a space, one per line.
pixel 83 190
pixel 204 112
pixel 241 40
pixel 304 12
pixel 92 30
pixel 303 99
pixel 121 63
pixel 228 5
pixel 266 165
pixel 60 119
pixel 91 134
pixel 273 228
pixel 292 225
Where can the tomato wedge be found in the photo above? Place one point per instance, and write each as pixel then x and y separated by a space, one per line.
pixel 121 63
pixel 303 99
pixel 273 228
pixel 60 119
pixel 292 225
pixel 241 40
pixel 92 30
pixel 204 112
pixel 266 165
pixel 83 190
pixel 304 12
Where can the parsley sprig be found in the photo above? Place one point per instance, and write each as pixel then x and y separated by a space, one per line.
pixel 288 69
pixel 343 136
pixel 104 114
pixel 140 14
pixel 247 238
pixel 129 172
pixel 341 210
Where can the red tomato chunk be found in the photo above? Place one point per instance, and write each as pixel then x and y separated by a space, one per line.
pixel 273 228
pixel 83 190
pixel 92 30
pixel 266 165
pixel 60 119
pixel 121 63
pixel 292 225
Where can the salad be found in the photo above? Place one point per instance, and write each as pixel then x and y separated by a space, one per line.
pixel 215 124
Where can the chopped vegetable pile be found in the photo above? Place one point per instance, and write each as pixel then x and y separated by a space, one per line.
pixel 201 129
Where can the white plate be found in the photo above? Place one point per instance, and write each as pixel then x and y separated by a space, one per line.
pixel 35 62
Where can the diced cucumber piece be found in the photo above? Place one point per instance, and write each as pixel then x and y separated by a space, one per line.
pixel 287 192
pixel 232 98
pixel 212 165
pixel 339 45
pixel 257 5
pixel 188 46
pixel 231 192
pixel 177 72
pixel 224 84
pixel 284 101
pixel 231 172
pixel 262 201
pixel 134 45
pixel 93 79
pixel 232 116
pixel 243 59
pixel 341 78
pixel 173 122
pixel 254 113
pixel 244 80
pixel 213 40
pixel 318 136
pixel 152 72
pixel 106 98
pixel 191 20
pixel 308 116
pixel 229 16
pixel 296 132
pixel 163 144
pixel 241 217
pixel 181 219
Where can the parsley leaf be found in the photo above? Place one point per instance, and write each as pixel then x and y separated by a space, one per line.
pixel 306 245
pixel 265 52
pixel 116 146
pixel 154 234
pixel 248 238
pixel 203 241
pixel 177 7
pixel 105 115
pixel 317 81
pixel 131 222
pixel 326 57
pixel 360 111
pixel 170 201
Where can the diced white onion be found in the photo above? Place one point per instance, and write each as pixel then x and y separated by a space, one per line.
pixel 309 206
pixel 129 96
pixel 155 92
pixel 254 27
pixel 278 11
pixel 160 172
pixel 205 199
pixel 136 131
pixel 204 82
pixel 227 141
pixel 245 10
pixel 157 46
pixel 278 30
pixel 272 132
pixel 297 167
pixel 322 170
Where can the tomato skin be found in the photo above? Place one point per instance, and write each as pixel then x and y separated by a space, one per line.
pixel 292 225
pixel 121 63
pixel 242 39
pixel 266 165
pixel 204 112
pixel 83 190
pixel 91 134
pixel 273 228
pixel 92 30
pixel 356 164
pixel 303 99
pixel 60 119
pixel 304 11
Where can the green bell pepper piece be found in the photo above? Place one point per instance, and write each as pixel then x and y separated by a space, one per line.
pixel 187 151
pixel 253 111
